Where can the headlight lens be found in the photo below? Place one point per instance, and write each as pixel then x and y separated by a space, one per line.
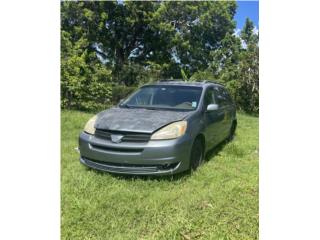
pixel 89 127
pixel 173 130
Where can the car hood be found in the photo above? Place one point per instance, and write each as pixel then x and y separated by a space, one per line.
pixel 137 120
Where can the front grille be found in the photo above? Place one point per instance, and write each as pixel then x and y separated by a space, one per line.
pixel 113 149
pixel 127 136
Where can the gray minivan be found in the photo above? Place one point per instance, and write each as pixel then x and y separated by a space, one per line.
pixel 161 129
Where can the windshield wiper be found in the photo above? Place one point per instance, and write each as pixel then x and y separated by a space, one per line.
pixel 126 106
pixel 151 108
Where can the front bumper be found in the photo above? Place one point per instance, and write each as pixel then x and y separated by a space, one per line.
pixel 161 157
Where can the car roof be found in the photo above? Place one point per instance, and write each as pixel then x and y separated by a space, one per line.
pixel 178 82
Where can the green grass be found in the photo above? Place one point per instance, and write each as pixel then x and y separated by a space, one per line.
pixel 218 201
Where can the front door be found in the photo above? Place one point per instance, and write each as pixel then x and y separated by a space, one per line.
pixel 213 120
pixel 225 109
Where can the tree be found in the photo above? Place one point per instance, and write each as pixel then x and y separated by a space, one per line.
pixel 84 79
pixel 124 39
pixel 247 31
pixel 191 30
pixel 131 43
pixel 235 63
pixel 249 68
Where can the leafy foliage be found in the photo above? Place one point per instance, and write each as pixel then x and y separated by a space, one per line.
pixel 133 43
pixel 83 82
pixel 236 65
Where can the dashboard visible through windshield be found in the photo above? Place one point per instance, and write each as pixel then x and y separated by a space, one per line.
pixel 165 97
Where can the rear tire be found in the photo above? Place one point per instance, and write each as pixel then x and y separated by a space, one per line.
pixel 196 156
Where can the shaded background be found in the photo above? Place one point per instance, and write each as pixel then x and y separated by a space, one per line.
pixel 108 49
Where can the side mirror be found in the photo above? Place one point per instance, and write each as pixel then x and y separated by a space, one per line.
pixel 212 107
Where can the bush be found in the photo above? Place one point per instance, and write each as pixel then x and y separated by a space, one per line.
pixel 94 96
pixel 85 82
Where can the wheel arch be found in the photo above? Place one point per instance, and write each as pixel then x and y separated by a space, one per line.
pixel 203 140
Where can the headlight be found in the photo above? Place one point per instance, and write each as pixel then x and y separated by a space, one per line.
pixel 89 127
pixel 173 130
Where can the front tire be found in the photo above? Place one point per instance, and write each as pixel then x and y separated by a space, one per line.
pixel 196 156
pixel 232 131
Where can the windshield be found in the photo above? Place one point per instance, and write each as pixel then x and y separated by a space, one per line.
pixel 165 97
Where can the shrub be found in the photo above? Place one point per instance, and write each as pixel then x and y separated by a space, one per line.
pixel 94 96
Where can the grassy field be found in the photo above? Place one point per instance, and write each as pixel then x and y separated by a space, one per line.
pixel 218 201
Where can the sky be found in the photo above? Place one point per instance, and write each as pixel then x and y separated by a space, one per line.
pixel 247 9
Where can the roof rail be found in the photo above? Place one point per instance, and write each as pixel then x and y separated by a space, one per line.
pixel 209 81
pixel 171 80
